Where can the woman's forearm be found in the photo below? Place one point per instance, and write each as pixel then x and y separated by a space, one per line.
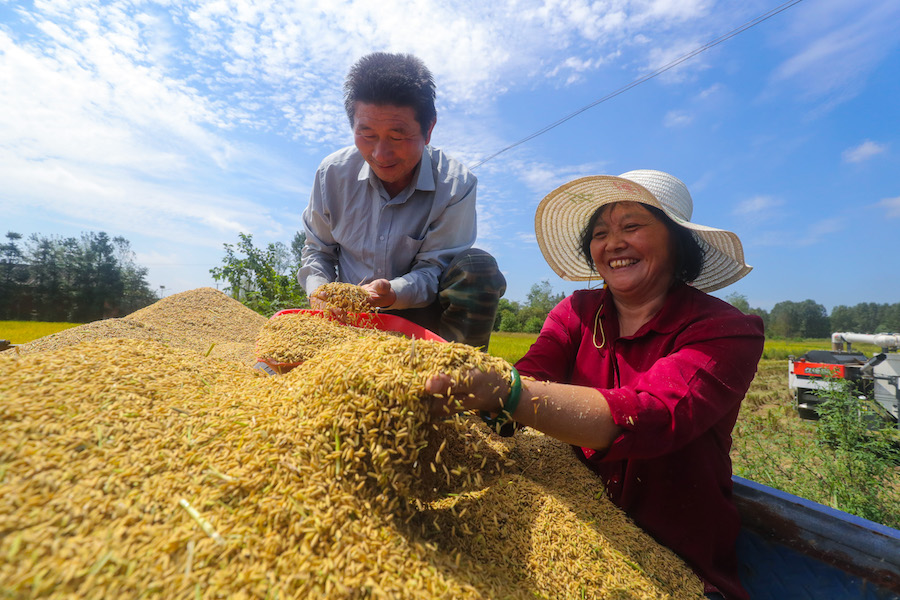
pixel 570 413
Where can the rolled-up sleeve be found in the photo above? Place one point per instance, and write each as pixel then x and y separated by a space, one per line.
pixel 451 231
pixel 320 254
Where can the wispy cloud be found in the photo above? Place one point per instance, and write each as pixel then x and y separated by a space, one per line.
pixel 678 118
pixel 759 208
pixel 891 206
pixel 813 234
pixel 841 42
pixel 820 231
pixel 863 152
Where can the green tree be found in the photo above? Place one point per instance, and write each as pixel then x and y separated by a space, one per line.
pixel 799 319
pixel 739 301
pixel 297 244
pixel 69 279
pixel 136 291
pixel 48 280
pixel 842 319
pixel 13 275
pixel 262 279
pixel 509 322
pixel 96 284
pixel 540 302
pixel 507 316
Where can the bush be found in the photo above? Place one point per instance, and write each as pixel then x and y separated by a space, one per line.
pixel 841 460
pixel 533 325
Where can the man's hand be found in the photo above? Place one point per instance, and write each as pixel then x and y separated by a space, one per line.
pixel 321 300
pixel 380 293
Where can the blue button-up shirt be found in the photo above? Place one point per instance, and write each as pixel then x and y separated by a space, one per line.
pixel 356 233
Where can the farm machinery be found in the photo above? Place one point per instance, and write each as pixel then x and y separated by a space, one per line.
pixel 873 379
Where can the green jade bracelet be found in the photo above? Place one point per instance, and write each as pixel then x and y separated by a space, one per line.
pixel 509 407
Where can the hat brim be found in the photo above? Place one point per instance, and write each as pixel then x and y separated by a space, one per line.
pixel 563 214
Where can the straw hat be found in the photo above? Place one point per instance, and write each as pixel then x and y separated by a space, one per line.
pixel 563 214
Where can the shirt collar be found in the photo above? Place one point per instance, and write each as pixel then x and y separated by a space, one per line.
pixel 671 316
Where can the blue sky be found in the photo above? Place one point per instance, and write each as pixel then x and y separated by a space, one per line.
pixel 179 125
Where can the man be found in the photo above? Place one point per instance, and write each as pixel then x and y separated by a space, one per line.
pixel 397 216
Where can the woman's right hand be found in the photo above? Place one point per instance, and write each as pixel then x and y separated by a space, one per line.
pixel 477 390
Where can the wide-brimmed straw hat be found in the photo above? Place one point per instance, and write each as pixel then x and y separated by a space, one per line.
pixel 563 214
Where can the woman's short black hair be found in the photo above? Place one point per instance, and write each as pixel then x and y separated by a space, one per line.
pixel 398 79
pixel 688 251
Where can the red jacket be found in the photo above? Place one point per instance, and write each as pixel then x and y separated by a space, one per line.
pixel 675 387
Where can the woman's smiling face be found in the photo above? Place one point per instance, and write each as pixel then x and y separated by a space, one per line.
pixel 633 251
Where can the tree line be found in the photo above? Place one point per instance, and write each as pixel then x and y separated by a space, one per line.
pixel 95 277
pixel 75 280
pixel 806 319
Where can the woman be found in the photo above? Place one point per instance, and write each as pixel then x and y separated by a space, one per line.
pixel 645 376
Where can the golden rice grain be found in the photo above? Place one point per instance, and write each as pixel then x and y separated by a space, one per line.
pixel 328 482
pixel 295 337
pixel 343 296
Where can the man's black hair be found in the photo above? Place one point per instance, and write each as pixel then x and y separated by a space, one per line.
pixel 688 251
pixel 398 79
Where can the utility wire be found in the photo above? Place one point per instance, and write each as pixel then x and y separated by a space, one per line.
pixel 647 77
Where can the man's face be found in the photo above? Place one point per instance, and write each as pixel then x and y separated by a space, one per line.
pixel 391 141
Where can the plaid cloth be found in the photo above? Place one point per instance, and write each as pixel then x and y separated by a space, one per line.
pixel 466 305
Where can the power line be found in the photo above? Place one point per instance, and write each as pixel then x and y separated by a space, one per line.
pixel 647 77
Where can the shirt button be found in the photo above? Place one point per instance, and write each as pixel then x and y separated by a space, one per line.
pixel 381 238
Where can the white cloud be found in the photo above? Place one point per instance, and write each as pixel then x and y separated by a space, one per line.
pixel 863 152
pixel 815 233
pixel 840 43
pixel 891 206
pixel 758 207
pixel 526 238
pixel 820 231
pixel 544 177
pixel 677 118
pixel 710 92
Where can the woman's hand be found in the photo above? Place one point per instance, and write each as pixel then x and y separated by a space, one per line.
pixel 381 295
pixel 476 391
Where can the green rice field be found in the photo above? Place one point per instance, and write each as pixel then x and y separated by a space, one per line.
pixel 20 332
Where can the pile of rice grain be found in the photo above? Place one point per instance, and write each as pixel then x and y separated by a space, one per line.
pixel 346 297
pixel 165 473
pixel 292 338
pixel 204 320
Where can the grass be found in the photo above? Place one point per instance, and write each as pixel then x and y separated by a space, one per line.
pixel 510 346
pixel 21 332
pixel 781 349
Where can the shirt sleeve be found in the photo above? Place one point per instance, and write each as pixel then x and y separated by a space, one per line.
pixel 320 254
pixel 451 232
pixel 550 356
pixel 696 387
